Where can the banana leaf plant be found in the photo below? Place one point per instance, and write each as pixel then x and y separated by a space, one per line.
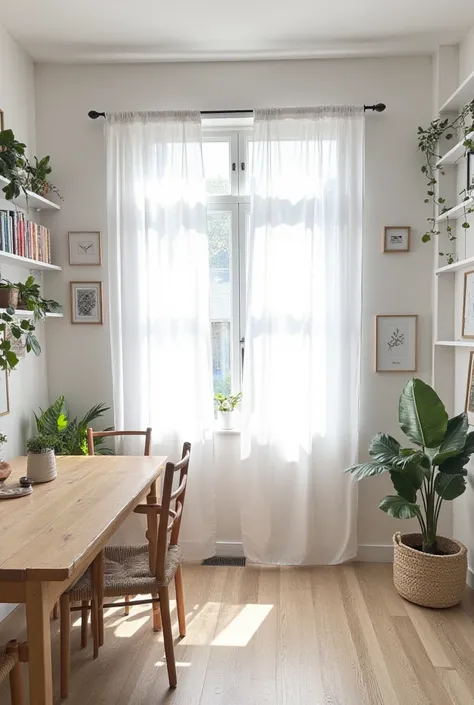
pixel 432 472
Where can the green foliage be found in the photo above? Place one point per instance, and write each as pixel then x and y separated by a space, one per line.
pixel 70 435
pixel 40 444
pixel 428 140
pixel 21 173
pixel 3 438
pixel 422 477
pixel 227 402
pixel 14 327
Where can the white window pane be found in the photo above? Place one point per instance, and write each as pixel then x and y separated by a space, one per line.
pixel 217 167
pixel 219 227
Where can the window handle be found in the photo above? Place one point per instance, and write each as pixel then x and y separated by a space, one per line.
pixel 242 166
pixel 234 166
pixel 242 352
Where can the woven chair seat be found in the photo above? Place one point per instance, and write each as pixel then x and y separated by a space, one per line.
pixel 7 663
pixel 127 572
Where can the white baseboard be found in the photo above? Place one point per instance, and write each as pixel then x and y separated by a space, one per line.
pixel 233 549
pixel 366 554
pixel 375 553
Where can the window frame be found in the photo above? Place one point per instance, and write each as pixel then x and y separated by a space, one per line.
pixel 238 204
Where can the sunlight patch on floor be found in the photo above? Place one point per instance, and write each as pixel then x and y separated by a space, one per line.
pixel 243 626
pixel 129 627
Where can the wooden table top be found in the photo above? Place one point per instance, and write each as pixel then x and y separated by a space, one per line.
pixel 50 533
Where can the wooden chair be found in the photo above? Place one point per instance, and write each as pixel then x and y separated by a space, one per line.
pixel 152 529
pixel 10 666
pixel 127 572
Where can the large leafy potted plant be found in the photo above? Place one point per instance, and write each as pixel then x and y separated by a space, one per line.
pixel 428 569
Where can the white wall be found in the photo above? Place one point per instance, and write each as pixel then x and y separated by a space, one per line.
pixel 79 356
pixel 28 384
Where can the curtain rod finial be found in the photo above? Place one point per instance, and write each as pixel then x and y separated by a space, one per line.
pixel 93 114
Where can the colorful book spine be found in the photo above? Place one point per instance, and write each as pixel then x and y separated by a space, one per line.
pixel 22 237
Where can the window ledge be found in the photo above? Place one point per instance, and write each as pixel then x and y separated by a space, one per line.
pixel 227 432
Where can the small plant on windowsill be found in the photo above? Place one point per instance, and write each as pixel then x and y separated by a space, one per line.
pixel 226 404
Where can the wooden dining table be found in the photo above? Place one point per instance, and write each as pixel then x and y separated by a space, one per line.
pixel 49 538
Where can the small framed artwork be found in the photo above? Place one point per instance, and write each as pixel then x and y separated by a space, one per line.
pixel 4 394
pixel 468 306
pixel 396 238
pixel 470 391
pixel 470 171
pixel 87 302
pixel 84 249
pixel 396 343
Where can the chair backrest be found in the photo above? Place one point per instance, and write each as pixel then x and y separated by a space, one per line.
pixel 91 434
pixel 170 517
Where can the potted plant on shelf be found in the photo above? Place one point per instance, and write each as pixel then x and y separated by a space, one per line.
pixel 30 299
pixel 8 294
pixel 226 404
pixel 428 569
pixel 22 175
pixel 41 463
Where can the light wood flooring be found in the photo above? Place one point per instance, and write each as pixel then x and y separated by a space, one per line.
pixel 268 636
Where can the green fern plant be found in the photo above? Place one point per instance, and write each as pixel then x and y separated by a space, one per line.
pixel 70 434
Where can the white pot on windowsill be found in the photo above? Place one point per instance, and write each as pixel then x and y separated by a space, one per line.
pixel 226 420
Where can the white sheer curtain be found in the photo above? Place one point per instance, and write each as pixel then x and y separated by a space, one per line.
pixel 301 377
pixel 159 299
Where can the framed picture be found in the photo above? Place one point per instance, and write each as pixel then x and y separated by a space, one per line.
pixel 4 394
pixel 396 343
pixel 468 306
pixel 84 249
pixel 396 238
pixel 470 390
pixel 87 302
pixel 470 171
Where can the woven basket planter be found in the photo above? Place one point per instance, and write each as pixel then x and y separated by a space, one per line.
pixel 8 297
pixel 426 579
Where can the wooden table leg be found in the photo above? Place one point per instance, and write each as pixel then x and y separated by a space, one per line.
pixel 39 644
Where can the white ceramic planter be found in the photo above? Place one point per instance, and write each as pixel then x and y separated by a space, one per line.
pixel 226 420
pixel 41 467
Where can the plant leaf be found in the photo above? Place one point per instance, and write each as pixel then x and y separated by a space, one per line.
pixel 422 415
pixel 368 470
pixel 449 486
pixel 403 486
pixel 383 448
pixel 454 440
pixel 398 507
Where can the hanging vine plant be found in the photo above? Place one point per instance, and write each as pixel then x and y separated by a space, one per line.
pixel 428 142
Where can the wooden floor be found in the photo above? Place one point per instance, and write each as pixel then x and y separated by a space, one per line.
pixel 332 635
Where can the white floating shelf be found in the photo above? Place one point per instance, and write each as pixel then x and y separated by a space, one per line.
pixel 21 313
pixel 455 343
pixel 461 96
pixel 34 201
pixel 19 261
pixel 456 212
pixel 455 153
pixel 456 266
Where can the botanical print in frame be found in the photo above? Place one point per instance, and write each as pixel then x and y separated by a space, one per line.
pixel 470 391
pixel 468 306
pixel 396 343
pixel 86 302
pixel 4 394
pixel 84 249
pixel 396 238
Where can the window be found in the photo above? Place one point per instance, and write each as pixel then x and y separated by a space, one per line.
pixel 226 154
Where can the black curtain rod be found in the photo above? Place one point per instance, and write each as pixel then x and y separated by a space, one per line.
pixel 378 108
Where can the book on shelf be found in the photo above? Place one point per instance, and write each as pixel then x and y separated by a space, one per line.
pixel 22 237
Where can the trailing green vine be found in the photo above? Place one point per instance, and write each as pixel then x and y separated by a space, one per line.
pixel 428 142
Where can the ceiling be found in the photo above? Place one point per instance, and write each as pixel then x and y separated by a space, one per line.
pixel 199 30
